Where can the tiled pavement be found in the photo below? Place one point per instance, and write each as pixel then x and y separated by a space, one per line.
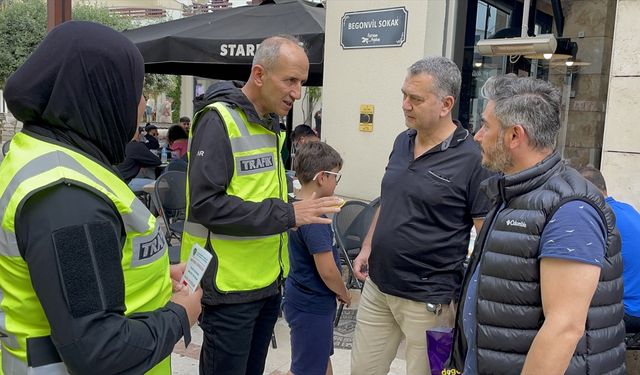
pixel 185 361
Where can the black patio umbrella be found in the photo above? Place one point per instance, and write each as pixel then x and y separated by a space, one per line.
pixel 221 44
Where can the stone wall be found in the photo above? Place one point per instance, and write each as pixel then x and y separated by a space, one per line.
pixel 9 126
pixel 589 23
pixel 621 143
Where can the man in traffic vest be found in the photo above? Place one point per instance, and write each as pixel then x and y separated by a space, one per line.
pixel 85 284
pixel 543 292
pixel 237 206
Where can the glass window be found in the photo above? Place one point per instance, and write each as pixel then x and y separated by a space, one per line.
pixel 489 21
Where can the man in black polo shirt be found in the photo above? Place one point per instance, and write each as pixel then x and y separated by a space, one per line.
pixel 415 248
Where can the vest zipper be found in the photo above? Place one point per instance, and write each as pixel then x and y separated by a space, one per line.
pixel 278 158
pixel 474 262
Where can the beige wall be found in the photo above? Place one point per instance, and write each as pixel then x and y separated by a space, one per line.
pixel 186 96
pixel 373 76
pixel 621 143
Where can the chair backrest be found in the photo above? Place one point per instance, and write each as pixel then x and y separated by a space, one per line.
pixel 375 203
pixel 5 147
pixel 178 165
pixel 170 195
pixel 351 224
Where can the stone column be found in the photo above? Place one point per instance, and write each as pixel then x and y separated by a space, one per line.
pixel 621 143
pixel 590 24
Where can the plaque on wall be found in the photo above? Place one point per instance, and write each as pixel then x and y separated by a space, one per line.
pixel 366 117
pixel 377 28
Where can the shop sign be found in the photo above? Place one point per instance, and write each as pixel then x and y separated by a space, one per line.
pixel 374 28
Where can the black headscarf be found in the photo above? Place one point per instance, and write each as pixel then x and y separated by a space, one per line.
pixel 81 87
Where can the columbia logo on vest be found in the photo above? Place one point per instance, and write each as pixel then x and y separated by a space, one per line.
pixel 516 223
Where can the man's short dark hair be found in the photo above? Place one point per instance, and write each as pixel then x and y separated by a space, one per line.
pixel 314 157
pixel 444 72
pixel 302 131
pixel 150 127
pixel 594 176
pixel 185 119
pixel 176 132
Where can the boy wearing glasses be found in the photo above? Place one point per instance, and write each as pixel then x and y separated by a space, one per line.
pixel 314 280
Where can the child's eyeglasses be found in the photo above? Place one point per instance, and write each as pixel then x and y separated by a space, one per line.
pixel 337 174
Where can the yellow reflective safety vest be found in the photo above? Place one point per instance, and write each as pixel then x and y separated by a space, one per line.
pixel 33 165
pixel 245 264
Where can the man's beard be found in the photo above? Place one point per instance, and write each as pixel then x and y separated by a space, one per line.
pixel 498 159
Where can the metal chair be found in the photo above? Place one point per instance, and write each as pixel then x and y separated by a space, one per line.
pixel 632 340
pixel 350 226
pixel 169 195
pixel 5 147
pixel 179 165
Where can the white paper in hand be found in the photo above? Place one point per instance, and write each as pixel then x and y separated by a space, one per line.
pixel 196 265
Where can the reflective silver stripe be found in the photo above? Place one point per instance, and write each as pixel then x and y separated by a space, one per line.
pixel 39 165
pixel 251 164
pixel 8 244
pixel 42 164
pixel 7 339
pixel 237 119
pixel 13 366
pixel 195 229
pixel 138 219
pixel 247 142
pixel 253 142
pixel 239 238
pixel 147 249
pixel 51 369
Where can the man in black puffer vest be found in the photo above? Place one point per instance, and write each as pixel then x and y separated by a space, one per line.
pixel 543 293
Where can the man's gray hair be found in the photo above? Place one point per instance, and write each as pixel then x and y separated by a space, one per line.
pixel 532 103
pixel 444 72
pixel 269 50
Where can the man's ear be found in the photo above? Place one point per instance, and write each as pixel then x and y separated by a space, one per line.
pixel 321 179
pixel 517 136
pixel 447 105
pixel 258 72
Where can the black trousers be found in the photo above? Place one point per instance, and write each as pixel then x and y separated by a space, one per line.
pixel 237 336
pixel 631 323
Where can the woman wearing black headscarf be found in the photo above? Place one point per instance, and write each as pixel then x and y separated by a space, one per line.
pixel 85 284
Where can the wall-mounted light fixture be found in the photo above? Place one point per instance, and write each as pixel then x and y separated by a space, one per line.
pixel 565 49
pixel 545 43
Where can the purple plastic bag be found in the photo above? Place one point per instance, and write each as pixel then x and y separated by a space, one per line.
pixel 439 342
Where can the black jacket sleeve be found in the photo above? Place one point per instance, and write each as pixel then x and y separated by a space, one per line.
pixel 141 154
pixel 210 171
pixel 103 341
pixel 152 142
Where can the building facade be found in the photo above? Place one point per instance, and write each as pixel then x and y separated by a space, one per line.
pixel 596 94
